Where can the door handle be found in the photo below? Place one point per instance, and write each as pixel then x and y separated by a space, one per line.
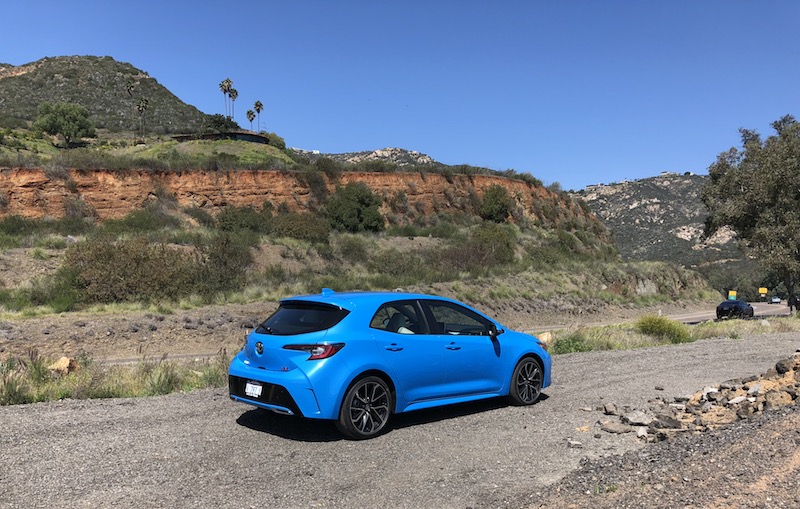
pixel 394 347
pixel 453 346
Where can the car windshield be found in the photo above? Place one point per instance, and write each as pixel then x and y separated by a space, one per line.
pixel 300 318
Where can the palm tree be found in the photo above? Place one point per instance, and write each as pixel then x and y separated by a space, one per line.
pixel 258 107
pixel 142 108
pixel 233 94
pixel 251 115
pixel 225 87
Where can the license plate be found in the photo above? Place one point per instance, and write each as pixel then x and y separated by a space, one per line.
pixel 253 390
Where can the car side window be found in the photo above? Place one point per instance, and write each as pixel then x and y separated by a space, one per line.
pixel 450 318
pixel 400 317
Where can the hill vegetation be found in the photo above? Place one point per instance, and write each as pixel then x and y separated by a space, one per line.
pixel 482 250
pixel 108 89
pixel 663 218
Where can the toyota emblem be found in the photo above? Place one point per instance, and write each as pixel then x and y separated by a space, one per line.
pixel 259 347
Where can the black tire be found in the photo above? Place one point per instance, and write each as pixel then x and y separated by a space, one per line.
pixel 526 382
pixel 366 408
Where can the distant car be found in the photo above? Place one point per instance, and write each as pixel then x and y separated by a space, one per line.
pixel 359 358
pixel 774 300
pixel 734 309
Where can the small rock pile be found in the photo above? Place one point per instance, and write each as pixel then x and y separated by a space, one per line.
pixel 712 407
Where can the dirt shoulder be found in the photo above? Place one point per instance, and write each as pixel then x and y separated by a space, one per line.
pixel 212 329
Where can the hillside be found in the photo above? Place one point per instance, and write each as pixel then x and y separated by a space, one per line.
pixel 406 195
pixel 660 218
pixel 109 89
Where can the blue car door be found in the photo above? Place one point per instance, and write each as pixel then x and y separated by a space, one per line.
pixel 473 360
pixel 416 360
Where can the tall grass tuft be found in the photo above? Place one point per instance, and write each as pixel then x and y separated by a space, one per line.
pixel 663 329
pixel 574 342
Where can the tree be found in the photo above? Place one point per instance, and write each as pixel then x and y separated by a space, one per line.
pixel 754 191
pixel 233 94
pixel 69 120
pixel 251 115
pixel 141 107
pixel 225 87
pixel 220 124
pixel 258 107
pixel 496 204
pixel 354 208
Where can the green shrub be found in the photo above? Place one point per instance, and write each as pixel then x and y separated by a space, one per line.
pixel 489 246
pixel 663 329
pixel 301 226
pixel 333 169
pixel 575 342
pixel 235 219
pixel 223 263
pixel 354 208
pixel 202 217
pixel 498 241
pixel 146 220
pixel 126 270
pixel 496 204
pixel 314 180
pixel 18 226
pixel 163 379
pixel 353 248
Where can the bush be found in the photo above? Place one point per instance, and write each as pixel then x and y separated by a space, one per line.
pixel 18 226
pixel 235 219
pixel 354 208
pixel 353 248
pixel 575 342
pixel 126 270
pixel 489 245
pixel 146 220
pixel 496 204
pixel 202 217
pixel 314 180
pixel 663 329
pixel 222 266
pixel 301 226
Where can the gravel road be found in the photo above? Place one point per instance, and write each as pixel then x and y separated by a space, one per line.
pixel 203 450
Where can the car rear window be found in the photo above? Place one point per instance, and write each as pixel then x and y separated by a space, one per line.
pixel 300 318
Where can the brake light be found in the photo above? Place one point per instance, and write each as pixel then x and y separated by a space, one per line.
pixel 317 352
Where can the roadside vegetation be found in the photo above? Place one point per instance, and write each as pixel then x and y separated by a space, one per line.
pixel 29 379
pixel 651 330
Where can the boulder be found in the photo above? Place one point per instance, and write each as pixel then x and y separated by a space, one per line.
pixel 64 366
pixel 777 399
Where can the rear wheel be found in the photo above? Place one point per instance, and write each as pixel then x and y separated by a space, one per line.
pixel 366 408
pixel 526 382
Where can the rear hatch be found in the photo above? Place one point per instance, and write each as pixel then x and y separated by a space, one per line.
pixel 293 334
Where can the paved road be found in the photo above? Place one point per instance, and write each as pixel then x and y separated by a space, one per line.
pixel 690 318
pixel 203 450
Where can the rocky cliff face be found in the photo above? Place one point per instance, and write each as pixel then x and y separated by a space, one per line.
pixel 112 194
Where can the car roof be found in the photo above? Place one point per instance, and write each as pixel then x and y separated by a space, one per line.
pixel 352 300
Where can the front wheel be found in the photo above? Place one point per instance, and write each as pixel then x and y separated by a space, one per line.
pixel 366 408
pixel 526 382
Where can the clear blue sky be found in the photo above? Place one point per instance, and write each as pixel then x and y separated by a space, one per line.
pixel 575 92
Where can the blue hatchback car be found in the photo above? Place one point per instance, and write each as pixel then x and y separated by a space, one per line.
pixel 359 358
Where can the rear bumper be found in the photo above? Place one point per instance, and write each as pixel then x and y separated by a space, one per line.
pixel 288 393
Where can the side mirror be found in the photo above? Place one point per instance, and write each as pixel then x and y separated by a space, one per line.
pixel 494 331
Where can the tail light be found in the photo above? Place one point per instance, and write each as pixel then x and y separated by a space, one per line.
pixel 317 352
